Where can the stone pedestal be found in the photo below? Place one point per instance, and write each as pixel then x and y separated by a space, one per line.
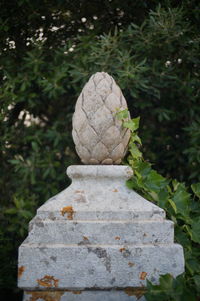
pixel 97 239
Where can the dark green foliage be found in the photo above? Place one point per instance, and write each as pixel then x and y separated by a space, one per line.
pixel 183 208
pixel 170 289
pixel 48 53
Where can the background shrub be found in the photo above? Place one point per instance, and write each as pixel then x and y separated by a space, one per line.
pixel 48 51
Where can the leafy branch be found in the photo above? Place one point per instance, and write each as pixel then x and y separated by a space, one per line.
pixel 182 206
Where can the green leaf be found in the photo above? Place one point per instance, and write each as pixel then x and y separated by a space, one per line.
pixel 135 138
pixel 163 197
pixel 181 198
pixel 166 282
pixel 195 230
pixel 121 115
pixel 173 205
pixel 182 237
pixel 132 124
pixel 162 290
pixel 175 184
pixel 135 151
pixel 196 189
pixel 144 168
pixel 192 265
pixel 155 181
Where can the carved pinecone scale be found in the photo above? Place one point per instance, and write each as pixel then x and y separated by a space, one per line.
pixel 98 135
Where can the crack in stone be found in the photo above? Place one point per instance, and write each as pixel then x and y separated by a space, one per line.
pixel 94 81
pixel 111 84
pixel 81 142
pixel 121 99
pixel 100 81
pixel 83 99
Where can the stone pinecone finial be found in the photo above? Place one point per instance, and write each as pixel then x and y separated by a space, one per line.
pixel 98 134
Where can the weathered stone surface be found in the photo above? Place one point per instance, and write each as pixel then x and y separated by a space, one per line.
pixel 97 266
pixel 86 295
pixel 101 232
pixel 98 135
pixel 97 234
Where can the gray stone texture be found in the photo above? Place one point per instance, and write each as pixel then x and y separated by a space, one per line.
pixel 97 235
pixel 128 294
pixel 98 135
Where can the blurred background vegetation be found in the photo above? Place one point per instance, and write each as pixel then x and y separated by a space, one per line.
pixel 48 51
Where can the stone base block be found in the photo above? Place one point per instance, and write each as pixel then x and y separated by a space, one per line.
pixel 99 266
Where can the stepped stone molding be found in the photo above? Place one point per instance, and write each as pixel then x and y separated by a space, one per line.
pixel 97 237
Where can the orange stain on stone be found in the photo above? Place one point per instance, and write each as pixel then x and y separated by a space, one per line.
pixel 45 295
pixel 21 270
pixel 137 292
pixel 48 281
pixel 129 291
pixel 69 211
pixel 143 275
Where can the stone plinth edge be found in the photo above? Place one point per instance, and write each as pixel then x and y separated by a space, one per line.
pixel 127 294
